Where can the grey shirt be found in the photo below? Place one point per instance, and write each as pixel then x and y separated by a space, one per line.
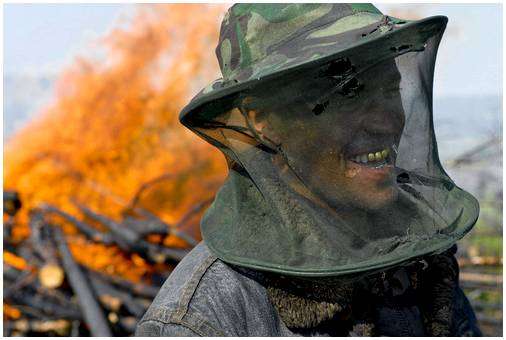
pixel 206 297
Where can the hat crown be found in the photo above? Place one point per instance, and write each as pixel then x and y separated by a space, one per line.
pixel 250 32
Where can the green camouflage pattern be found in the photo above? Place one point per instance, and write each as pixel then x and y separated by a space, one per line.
pixel 260 41
pixel 261 38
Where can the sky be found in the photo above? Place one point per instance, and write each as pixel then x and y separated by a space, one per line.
pixel 45 37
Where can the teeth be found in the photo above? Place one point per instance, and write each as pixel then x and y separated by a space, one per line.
pixel 372 156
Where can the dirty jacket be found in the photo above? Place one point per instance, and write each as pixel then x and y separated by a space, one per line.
pixel 206 297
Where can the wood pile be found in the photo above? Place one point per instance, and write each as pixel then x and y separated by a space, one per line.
pixel 47 292
pixel 483 286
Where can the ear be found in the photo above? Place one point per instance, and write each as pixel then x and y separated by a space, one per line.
pixel 258 124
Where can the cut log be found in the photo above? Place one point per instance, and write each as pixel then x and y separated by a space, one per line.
pixel 51 276
pixel 60 327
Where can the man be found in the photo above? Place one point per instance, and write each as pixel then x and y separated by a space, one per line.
pixel 337 217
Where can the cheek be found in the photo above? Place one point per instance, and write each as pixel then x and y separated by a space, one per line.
pixel 368 189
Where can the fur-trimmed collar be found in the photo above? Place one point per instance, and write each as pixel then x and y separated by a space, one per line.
pixel 309 304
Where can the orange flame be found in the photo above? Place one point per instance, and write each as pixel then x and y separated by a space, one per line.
pixel 114 126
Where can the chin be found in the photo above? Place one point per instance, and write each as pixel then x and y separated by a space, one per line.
pixel 378 200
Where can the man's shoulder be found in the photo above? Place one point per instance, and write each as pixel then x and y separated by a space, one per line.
pixel 205 296
pixel 172 303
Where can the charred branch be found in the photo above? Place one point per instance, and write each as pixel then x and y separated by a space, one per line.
pixel 21 280
pixel 21 287
pixel 86 299
pixel 39 305
pixel 152 225
pixel 90 232
pixel 145 186
pixel 125 238
pixel 468 156
pixel 130 241
pixel 128 323
pixel 139 289
pixel 160 254
pixel 7 233
pixel 113 298
pixel 26 251
pixel 92 313
pixel 11 273
pixel 194 210
pixel 12 203
pixel 41 238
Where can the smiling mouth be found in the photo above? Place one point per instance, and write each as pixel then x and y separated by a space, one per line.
pixel 374 158
pixel 371 150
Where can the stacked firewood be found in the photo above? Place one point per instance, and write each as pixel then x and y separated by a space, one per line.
pixel 48 293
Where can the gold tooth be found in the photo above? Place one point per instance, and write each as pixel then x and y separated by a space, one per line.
pixel 384 153
pixel 378 156
pixel 371 157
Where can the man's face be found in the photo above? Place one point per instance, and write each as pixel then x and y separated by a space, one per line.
pixel 345 154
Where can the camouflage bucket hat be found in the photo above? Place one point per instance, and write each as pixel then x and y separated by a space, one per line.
pixel 324 115
pixel 261 42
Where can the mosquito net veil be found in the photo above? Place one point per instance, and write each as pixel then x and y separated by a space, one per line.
pixel 334 169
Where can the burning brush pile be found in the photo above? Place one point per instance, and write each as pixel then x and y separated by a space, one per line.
pixel 104 191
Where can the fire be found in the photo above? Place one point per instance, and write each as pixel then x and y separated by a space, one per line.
pixel 113 127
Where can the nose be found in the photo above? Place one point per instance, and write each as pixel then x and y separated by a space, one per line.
pixel 383 123
pixel 383 116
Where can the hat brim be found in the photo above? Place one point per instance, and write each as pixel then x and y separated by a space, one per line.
pixel 400 40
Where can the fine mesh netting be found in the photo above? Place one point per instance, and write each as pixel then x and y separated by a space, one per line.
pixel 334 169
